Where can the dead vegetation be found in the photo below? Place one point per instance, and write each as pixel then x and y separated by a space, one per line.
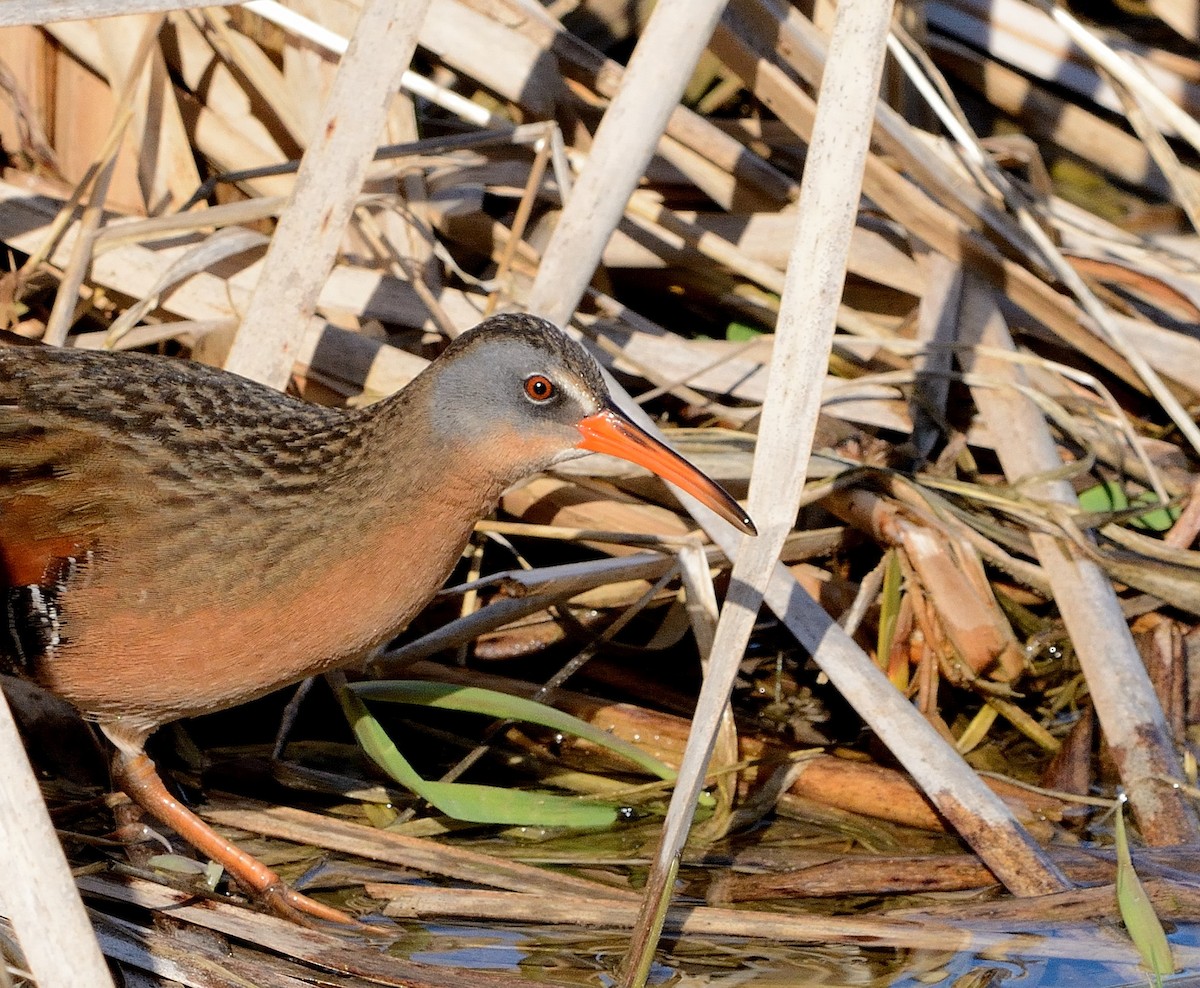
pixel 999 510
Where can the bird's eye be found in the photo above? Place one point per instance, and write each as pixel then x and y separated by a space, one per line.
pixel 539 388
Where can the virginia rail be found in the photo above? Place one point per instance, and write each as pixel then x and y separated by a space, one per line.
pixel 175 540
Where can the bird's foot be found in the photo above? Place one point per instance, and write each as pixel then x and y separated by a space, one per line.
pixel 285 902
pixel 136 774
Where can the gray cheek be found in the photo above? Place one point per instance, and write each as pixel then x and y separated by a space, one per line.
pixel 461 408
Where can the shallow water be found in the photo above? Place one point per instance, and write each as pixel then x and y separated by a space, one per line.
pixel 590 960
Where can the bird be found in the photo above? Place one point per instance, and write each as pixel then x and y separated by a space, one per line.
pixel 177 540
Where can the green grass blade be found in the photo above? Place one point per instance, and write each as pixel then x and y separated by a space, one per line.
pixel 1145 930
pixel 462 801
pixel 889 612
pixel 473 699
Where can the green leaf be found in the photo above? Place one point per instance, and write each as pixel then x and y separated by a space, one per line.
pixel 1111 497
pixel 1145 930
pixel 1158 520
pixel 741 332
pixel 473 699
pixel 177 864
pixel 463 801
pixel 1107 496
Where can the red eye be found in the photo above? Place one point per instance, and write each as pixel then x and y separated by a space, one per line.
pixel 539 388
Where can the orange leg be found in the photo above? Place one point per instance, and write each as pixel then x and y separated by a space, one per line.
pixel 135 773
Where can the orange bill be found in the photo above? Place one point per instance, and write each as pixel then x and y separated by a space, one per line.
pixel 609 431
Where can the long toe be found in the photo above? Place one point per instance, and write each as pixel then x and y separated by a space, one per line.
pixel 136 774
pixel 286 902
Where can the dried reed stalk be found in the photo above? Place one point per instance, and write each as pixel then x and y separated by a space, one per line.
pixel 1133 722
pixel 311 228
pixel 624 143
pixel 39 895
pixel 933 216
pixel 14 12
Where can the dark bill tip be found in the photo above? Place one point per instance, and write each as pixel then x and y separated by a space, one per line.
pixel 609 431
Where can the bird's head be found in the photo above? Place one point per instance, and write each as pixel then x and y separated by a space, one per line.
pixel 518 386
